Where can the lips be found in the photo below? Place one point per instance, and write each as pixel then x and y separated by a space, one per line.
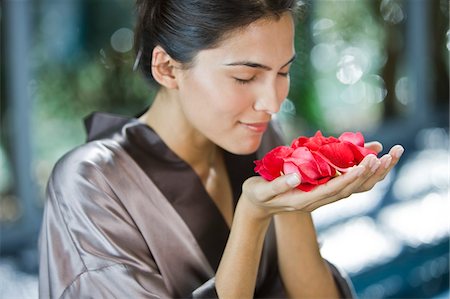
pixel 257 127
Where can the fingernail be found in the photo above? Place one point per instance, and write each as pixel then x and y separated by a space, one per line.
pixel 358 170
pixel 372 160
pixel 387 161
pixel 375 165
pixel 399 151
pixel 293 180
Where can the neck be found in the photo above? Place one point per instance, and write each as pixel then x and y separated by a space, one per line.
pixel 167 119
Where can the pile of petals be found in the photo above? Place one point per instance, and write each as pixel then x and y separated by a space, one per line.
pixel 315 159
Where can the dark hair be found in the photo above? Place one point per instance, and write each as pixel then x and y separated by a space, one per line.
pixel 184 27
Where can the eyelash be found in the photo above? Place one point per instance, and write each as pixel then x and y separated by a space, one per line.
pixel 244 81
pixel 247 81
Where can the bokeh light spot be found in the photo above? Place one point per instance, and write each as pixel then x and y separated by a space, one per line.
pixel 391 11
pixel 122 40
pixel 402 90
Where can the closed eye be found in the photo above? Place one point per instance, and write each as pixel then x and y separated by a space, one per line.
pixel 244 81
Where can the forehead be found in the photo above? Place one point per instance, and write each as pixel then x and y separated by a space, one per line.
pixel 264 40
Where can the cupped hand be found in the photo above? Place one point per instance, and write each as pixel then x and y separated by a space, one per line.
pixel 280 195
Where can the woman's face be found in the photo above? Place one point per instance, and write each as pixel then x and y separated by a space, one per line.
pixel 231 91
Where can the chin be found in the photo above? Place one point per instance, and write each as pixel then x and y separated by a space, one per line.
pixel 244 148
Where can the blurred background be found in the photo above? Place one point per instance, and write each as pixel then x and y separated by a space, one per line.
pixel 376 66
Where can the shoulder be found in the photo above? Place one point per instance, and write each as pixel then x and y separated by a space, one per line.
pixel 82 194
pixel 89 175
pixel 86 161
pixel 87 220
pixel 99 175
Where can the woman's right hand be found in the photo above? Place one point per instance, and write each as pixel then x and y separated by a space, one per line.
pixel 280 195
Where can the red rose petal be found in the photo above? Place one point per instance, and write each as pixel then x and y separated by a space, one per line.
pixel 324 167
pixel 360 152
pixel 306 187
pixel 339 155
pixel 306 162
pixel 299 142
pixel 355 138
pixel 290 167
pixel 315 159
pixel 271 165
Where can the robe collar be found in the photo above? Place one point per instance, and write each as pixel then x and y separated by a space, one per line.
pixel 175 178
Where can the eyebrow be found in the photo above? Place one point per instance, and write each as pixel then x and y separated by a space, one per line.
pixel 258 65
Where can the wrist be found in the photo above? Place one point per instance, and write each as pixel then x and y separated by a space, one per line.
pixel 297 215
pixel 251 213
pixel 238 268
pixel 295 223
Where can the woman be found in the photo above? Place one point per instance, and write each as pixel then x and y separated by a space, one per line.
pixel 167 205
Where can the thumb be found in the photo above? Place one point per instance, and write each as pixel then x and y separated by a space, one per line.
pixel 264 190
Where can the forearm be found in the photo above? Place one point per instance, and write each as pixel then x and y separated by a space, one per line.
pixel 236 275
pixel 304 272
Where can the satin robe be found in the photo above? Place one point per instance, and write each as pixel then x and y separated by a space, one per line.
pixel 125 217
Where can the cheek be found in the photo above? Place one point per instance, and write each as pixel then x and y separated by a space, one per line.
pixel 228 98
pixel 211 97
pixel 199 91
pixel 239 98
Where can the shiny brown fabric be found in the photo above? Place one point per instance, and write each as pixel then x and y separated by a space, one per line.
pixel 126 218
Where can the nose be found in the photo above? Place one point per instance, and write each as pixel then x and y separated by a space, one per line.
pixel 269 99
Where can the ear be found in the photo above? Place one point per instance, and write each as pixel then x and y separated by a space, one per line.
pixel 164 68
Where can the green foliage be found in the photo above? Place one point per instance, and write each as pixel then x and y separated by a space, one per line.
pixel 64 94
pixel 104 83
pixel 302 92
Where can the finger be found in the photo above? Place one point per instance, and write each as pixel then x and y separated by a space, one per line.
pixel 374 145
pixel 263 190
pixel 388 161
pixel 379 175
pixel 369 165
pixel 337 188
pixel 397 151
pixel 330 191
pixel 372 165
pixel 375 170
